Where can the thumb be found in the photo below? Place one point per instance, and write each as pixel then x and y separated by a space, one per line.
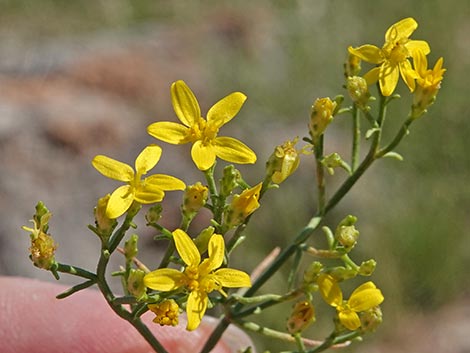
pixel 33 320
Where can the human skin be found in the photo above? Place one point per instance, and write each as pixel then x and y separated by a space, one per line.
pixel 33 320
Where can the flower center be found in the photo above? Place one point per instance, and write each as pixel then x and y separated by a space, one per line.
pixel 399 52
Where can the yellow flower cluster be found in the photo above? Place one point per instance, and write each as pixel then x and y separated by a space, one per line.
pixel 206 147
pixel 393 60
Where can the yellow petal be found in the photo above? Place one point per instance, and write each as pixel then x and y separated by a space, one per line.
pixel 149 194
pixel 186 248
pixel 368 52
pixel 401 29
pixel 216 252
pixel 408 74
pixel 231 278
pixel 112 168
pixel 203 155
pixel 388 78
pixel 372 76
pixel 119 202
pixel 224 110
pixel 169 132
pixel 165 182
pixel 185 103
pixel 195 309
pixel 364 298
pixel 330 290
pixel 232 150
pixel 414 45
pixel 164 279
pixel 349 319
pixel 420 63
pixel 147 159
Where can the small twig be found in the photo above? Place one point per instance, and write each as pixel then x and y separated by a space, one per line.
pixel 136 261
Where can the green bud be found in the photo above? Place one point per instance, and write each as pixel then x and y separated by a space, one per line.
pixel 341 273
pixel 334 160
pixel 154 214
pixel 352 66
pixel 202 240
pixel 346 234
pixel 371 319
pixel 312 272
pixel 230 180
pixel 130 247
pixel 367 267
pixel 358 91
pixel 104 224
pixel 135 284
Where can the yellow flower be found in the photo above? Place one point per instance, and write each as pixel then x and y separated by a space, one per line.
pixel 199 277
pixel 148 190
pixel 201 132
pixel 392 59
pixel 243 205
pixel 429 83
pixel 364 297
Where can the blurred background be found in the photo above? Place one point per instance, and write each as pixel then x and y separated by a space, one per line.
pixel 78 78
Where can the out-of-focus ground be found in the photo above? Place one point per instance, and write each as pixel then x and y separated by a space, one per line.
pixel 86 78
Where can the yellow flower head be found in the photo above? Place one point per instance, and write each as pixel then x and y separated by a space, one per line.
pixel 393 58
pixel 429 83
pixel 166 312
pixel 203 132
pixel 148 190
pixel 243 205
pixel 364 297
pixel 199 277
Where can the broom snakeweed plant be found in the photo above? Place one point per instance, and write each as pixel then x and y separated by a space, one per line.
pixel 194 273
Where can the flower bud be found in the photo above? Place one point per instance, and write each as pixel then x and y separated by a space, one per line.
pixel 130 247
pixel 202 240
pixel 166 312
pixel 303 314
pixel 371 319
pixel 135 284
pixel 352 66
pixel 194 198
pixel 283 162
pixel 312 272
pixel 104 224
pixel 154 214
pixel 230 180
pixel 43 247
pixel 367 267
pixel 321 115
pixel 358 91
pixel 346 234
pixel 242 206
pixel 43 250
pixel 342 273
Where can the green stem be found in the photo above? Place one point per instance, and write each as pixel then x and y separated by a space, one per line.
pixel 366 163
pixel 397 139
pixel 216 334
pixel 119 309
pixel 320 175
pixel 76 271
pixel 333 340
pixel 75 289
pixel 355 155
pixel 168 254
